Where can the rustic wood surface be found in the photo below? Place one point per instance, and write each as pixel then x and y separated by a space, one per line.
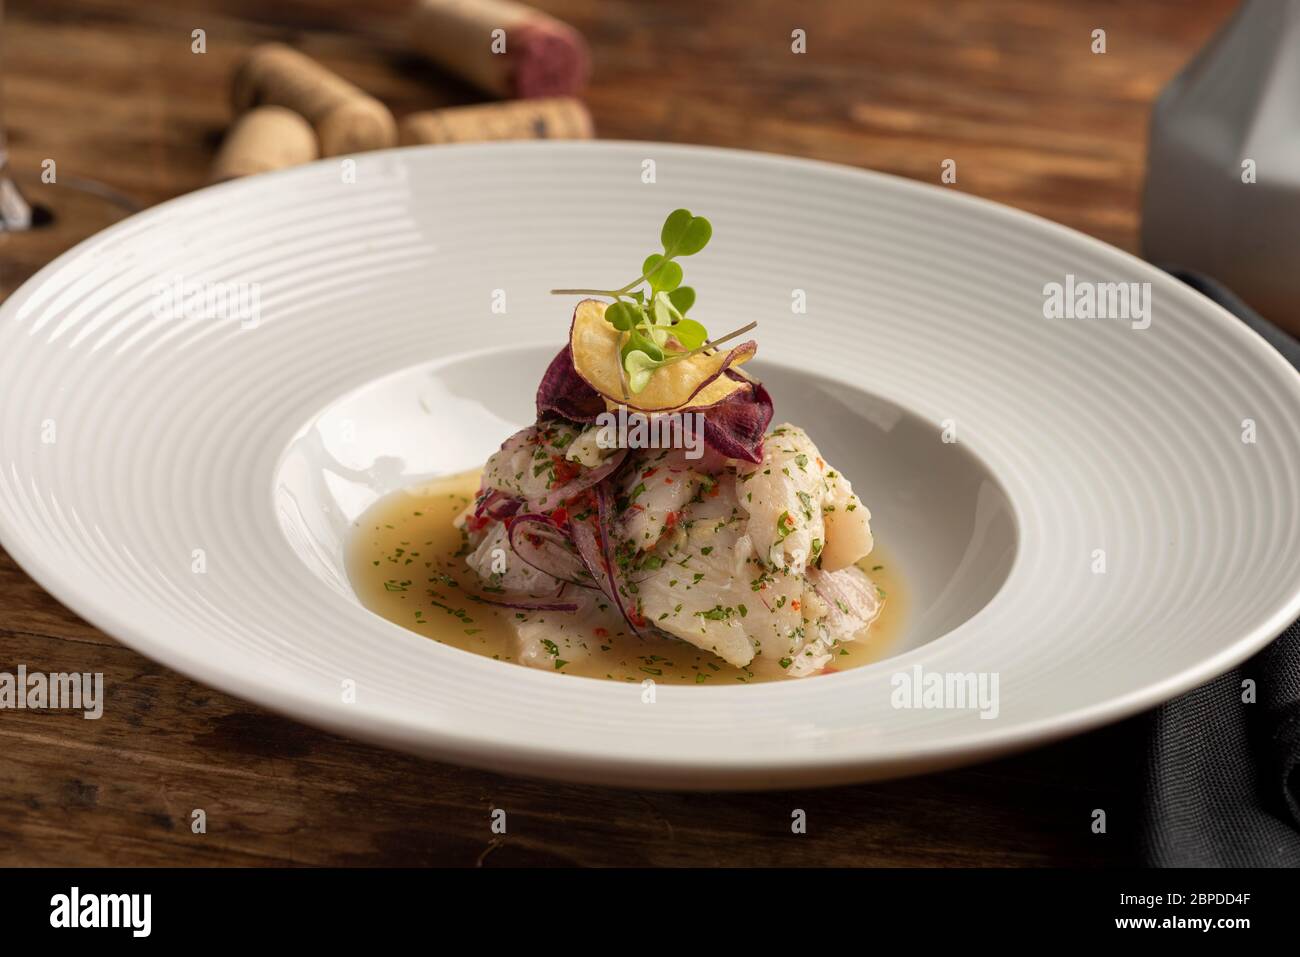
pixel 111 90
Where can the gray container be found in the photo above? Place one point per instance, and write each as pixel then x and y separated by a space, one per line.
pixel 1223 167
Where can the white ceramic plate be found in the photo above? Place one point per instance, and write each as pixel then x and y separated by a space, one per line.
pixel 186 483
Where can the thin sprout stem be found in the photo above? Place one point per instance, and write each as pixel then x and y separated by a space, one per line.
pixel 612 293
pixel 632 285
pixel 711 344
pixel 622 372
pixel 730 335
pixel 645 277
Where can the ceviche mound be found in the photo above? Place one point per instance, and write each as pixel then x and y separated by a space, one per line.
pixel 652 495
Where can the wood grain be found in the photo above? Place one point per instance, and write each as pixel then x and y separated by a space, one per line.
pixel 1007 88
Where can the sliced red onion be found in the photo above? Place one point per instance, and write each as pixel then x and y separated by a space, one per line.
pixel 593 545
pixel 497 505
pixel 504 509
pixel 527 604
pixel 525 437
pixel 586 538
pixel 552 553
pixel 585 480
pixel 604 522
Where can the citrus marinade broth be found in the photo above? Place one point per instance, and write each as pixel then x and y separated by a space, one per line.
pixel 406 562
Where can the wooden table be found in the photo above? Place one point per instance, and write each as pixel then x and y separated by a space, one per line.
pixel 112 91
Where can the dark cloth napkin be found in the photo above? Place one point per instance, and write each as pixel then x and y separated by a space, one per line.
pixel 1221 777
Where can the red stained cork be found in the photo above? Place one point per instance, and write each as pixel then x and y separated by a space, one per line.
pixel 506 48
pixel 550 59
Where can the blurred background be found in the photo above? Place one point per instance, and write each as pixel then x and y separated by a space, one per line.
pixel 1010 89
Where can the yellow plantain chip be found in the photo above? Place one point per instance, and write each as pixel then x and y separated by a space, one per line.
pixel 595 345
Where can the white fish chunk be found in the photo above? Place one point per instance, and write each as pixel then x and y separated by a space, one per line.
pixel 799 507
pixel 496 563
pixel 655 489
pixel 535 461
pixel 548 639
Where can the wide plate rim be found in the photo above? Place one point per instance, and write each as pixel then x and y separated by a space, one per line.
pixel 376 724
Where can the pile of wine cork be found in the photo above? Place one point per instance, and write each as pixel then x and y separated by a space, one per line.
pixel 290 109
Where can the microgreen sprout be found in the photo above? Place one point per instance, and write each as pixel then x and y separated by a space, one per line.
pixel 650 311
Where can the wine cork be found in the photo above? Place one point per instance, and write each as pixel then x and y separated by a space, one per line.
pixel 263 139
pixel 553 118
pixel 346 119
pixel 504 47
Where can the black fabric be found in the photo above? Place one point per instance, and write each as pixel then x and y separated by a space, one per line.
pixel 1221 774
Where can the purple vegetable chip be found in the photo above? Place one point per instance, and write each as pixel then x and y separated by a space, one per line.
pixel 735 426
pixel 565 393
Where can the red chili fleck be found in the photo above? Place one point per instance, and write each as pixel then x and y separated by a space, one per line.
pixel 670 520
pixel 601 632
pixel 560 515
pixel 565 470
pixel 795 604
pixel 650 471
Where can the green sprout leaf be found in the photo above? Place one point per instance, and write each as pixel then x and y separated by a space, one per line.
pixel 684 234
pixel 639 368
pixel 690 334
pixel 683 297
pixel 663 310
pixel 623 315
pixel 639 342
pixel 664 275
